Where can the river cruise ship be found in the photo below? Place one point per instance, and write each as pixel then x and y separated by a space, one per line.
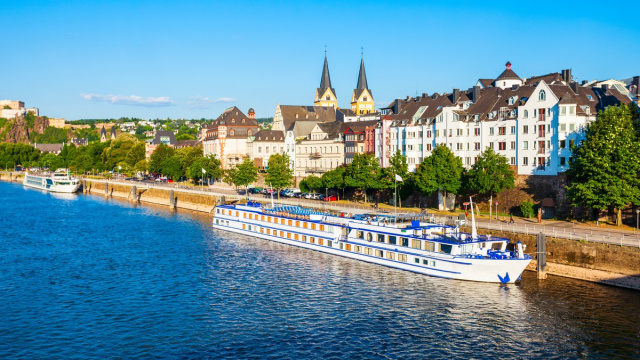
pixel 422 247
pixel 55 182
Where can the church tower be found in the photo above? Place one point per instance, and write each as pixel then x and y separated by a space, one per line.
pixel 325 94
pixel 362 99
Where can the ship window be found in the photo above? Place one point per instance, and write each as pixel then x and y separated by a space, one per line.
pixel 312 240
pixel 290 222
pixel 296 237
pixel 368 251
pixel 304 225
pixel 466 249
pixel 244 226
pixel 341 246
pixel 392 239
pixel 249 227
pixel 360 234
pixel 281 234
pixel 369 236
pixel 304 238
pixel 218 211
pixel 390 255
pixel 217 221
pixel 416 244
pixel 288 235
pixel 262 218
pixel 416 260
pixel 329 243
pixel 297 223
pixel 356 248
pixel 433 263
pixel 429 246
pixel 237 214
pixel 402 257
pixel 313 226
pixel 405 242
pixel 496 246
pixel 321 227
pixel 379 253
pixel 262 230
pixel 282 221
pixel 319 241
pixel 425 262
pixel 446 248
pixel 348 247
pixel 380 238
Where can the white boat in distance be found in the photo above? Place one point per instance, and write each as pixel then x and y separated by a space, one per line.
pixel 55 182
pixel 426 248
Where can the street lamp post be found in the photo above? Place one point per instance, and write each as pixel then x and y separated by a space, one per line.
pixel 638 226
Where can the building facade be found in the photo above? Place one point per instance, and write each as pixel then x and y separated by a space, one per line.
pixel 228 135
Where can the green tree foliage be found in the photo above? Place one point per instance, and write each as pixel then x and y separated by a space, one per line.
pixel 527 208
pixel 185 137
pixel 160 154
pixel 247 173
pixel 605 173
pixel 362 173
pixel 51 135
pixel 312 183
pixel 334 179
pixel 51 161
pixel 279 175
pixel 135 154
pixel 229 176
pixel 172 168
pixel 187 155
pixel 490 174
pixel 211 164
pixel 141 166
pixel 441 171
pixel 83 163
pixel 89 134
pixel 18 154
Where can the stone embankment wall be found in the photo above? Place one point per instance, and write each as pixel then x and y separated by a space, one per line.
pixel 605 263
pixel 158 196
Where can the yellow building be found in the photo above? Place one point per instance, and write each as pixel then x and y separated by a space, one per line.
pixel 325 94
pixel 362 99
pixel 57 123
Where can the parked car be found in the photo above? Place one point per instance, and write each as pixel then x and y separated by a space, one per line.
pixel 320 197
pixel 255 190
pixel 312 196
pixel 331 198
pixel 301 195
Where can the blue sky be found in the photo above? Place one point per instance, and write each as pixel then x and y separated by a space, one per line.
pixel 193 59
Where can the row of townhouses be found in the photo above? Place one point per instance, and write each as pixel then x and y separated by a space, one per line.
pixel 533 122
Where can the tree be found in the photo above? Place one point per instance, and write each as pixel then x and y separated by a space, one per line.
pixel 51 135
pixel 172 168
pixel 187 155
pixel 313 182
pixel 185 137
pixel 279 175
pixel 490 174
pixel 606 170
pixel 247 173
pixel 441 171
pixel 135 154
pixel 83 163
pixel 140 166
pixel 361 173
pixel 229 176
pixel 160 154
pixel 211 164
pixel 334 179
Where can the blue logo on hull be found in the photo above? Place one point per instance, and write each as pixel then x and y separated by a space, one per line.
pixel 504 279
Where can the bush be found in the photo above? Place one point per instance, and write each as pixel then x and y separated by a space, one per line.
pixel 527 208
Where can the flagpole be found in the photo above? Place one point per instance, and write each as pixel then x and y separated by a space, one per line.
pixel 395 195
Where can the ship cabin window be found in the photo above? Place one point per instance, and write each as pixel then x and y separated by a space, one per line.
pixel 249 227
pixel 297 223
pixel 379 253
pixel 281 234
pixel 329 243
pixel 433 263
pixel 357 248
pixel 320 241
pixel 290 222
pixel 244 226
pixel 217 211
pixel 405 242
pixel 222 212
pixel 381 238
pixel 402 257
pixel 392 240
pixel 282 221
pixel 445 248
pixel 368 251
pixel 390 255
pixel 360 234
pixel 321 227
pixel 312 240
pixel 288 235
pixel 425 262
pixel 217 221
pixel 237 214
pixel 416 244
pixel 466 249
pixel 268 218
pixel 416 260
pixel 429 246
pixel 313 226
pixel 348 247
pixel 369 236
pixel 262 218
pixel 268 231
pixel 304 225
pixel 262 230
pixel 496 246
pixel 341 246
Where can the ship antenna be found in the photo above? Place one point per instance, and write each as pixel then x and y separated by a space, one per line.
pixel 474 231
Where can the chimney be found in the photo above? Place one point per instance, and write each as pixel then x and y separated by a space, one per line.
pixel 574 86
pixel 456 95
pixel 434 96
pixel 605 87
pixel 475 93
pixel 396 106
pixel 566 76
pixel 584 82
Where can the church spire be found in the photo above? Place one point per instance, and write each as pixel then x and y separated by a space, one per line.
pixel 325 81
pixel 326 95
pixel 362 76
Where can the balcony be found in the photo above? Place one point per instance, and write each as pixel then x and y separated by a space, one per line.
pixel 314 170
pixel 315 155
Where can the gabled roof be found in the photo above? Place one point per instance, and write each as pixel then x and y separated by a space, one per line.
pixel 269 135
pixel 233 117
pixel 49 148
pixel 293 113
pixel 508 74
pixel 163 133
pixel 302 128
pixel 567 99
pixel 548 78
pixel 333 130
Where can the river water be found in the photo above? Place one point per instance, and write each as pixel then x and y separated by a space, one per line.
pixel 86 277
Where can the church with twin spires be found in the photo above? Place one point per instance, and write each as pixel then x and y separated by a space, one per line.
pixel 361 100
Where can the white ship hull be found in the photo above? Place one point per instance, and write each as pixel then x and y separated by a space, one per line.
pixel 484 269
pixel 51 184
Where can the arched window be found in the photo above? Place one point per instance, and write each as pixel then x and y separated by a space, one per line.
pixel 542 95
pixel 232 132
pixel 249 132
pixel 243 121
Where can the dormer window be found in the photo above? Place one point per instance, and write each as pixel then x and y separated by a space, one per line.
pixel 328 98
pixel 512 100
pixel 233 121
pixel 513 113
pixel 365 99
pixel 232 132
pixel 542 95
pixel 243 120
